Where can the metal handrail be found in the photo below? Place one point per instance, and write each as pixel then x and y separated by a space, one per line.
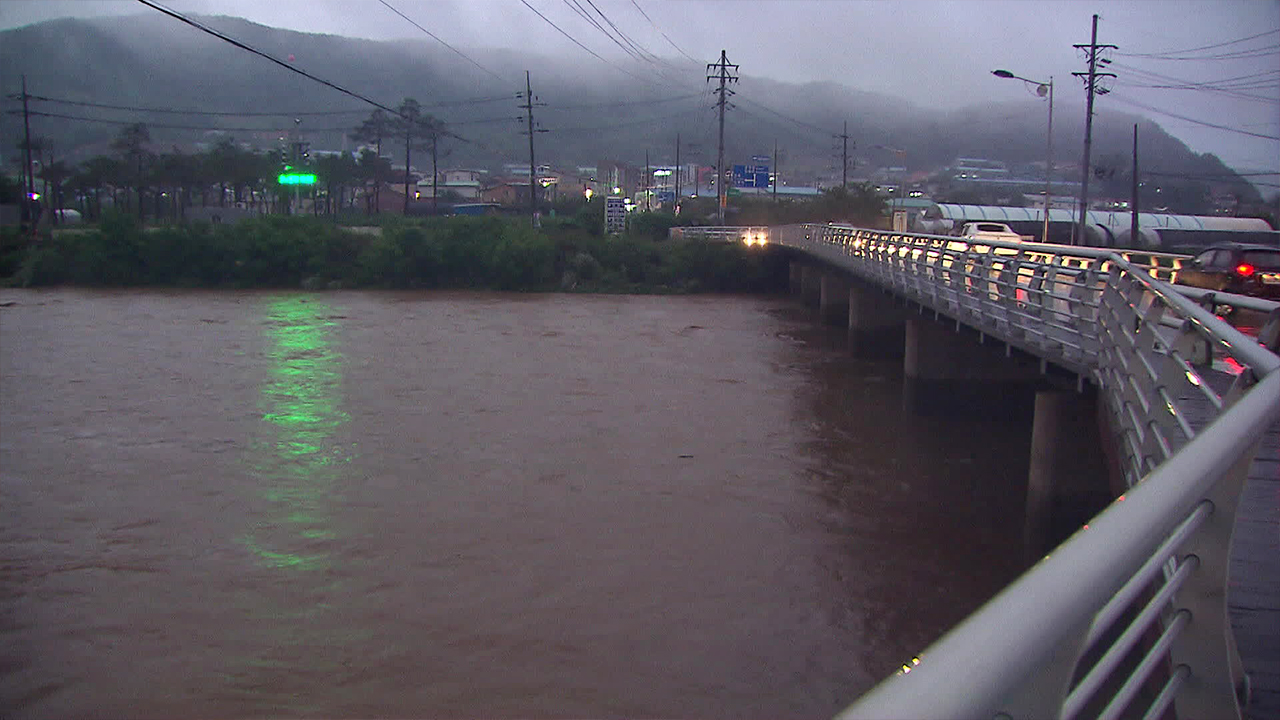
pixel 1187 435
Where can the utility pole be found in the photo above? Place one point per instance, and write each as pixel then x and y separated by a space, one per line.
pixel 411 118
pixel 677 202
pixel 844 155
pixel 1133 193
pixel 26 128
pixel 297 164
pixel 1091 88
pixel 774 181
pixel 435 173
pixel 647 175
pixel 528 106
pixel 724 75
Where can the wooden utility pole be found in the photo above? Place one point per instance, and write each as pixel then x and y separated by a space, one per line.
pixel 26 128
pixel 774 180
pixel 648 192
pixel 677 202
pixel 1133 193
pixel 530 102
pixel 725 75
pixel 1091 88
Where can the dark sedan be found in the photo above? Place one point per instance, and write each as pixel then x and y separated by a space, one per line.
pixel 1235 268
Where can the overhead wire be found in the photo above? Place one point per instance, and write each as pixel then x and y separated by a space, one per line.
pixel 575 41
pixel 585 15
pixel 1202 47
pixel 1230 87
pixel 784 116
pixel 438 39
pixel 226 38
pixel 641 52
pixel 655 27
pixel 234 113
pixel 1193 120
pixel 624 103
pixel 109 121
pixel 629 123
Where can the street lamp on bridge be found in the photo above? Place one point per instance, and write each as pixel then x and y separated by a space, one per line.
pixel 1042 89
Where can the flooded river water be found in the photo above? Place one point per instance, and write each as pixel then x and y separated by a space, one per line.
pixel 349 504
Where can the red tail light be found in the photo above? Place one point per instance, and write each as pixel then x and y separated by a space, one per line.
pixel 1245 270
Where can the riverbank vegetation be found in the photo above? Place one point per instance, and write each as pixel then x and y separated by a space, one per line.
pixel 567 253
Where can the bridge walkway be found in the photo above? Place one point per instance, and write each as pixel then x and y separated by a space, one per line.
pixel 1253 591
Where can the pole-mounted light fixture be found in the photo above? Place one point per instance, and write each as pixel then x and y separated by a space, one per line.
pixel 1042 89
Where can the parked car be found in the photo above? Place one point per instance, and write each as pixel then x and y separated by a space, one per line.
pixel 1235 268
pixel 989 231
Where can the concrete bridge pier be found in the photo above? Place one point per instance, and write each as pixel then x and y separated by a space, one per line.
pixel 833 301
pixel 810 285
pixel 877 324
pixel 796 277
pixel 1067 479
pixel 947 371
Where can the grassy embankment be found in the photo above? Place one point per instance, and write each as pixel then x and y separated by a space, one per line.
pixel 459 252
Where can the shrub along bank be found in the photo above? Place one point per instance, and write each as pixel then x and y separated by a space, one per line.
pixel 456 252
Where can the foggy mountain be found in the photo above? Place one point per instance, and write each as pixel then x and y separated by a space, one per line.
pixel 592 113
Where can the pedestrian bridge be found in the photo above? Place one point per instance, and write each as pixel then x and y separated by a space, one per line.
pixel 1128 617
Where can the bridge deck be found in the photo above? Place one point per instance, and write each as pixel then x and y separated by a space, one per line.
pixel 1254 590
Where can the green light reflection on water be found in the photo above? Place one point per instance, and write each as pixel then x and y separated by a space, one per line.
pixel 299 458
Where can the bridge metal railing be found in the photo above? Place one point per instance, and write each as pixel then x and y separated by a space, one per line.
pixel 1132 608
pixel 747 234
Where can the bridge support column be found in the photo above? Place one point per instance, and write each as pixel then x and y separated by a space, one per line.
pixel 810 285
pixel 877 324
pixel 796 278
pixel 833 302
pixel 1067 478
pixel 946 371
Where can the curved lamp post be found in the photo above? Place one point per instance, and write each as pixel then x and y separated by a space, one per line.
pixel 1042 89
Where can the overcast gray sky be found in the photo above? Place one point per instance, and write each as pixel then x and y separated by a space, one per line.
pixel 932 52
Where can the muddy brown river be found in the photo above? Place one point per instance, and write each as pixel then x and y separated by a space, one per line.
pixel 363 504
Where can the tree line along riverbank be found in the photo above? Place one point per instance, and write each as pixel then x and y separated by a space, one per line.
pixel 495 253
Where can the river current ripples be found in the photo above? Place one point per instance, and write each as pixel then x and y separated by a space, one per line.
pixel 351 504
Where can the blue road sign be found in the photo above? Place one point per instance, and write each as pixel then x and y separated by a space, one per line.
pixel 751 176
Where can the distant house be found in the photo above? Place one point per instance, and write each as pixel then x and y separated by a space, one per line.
pixel 506 191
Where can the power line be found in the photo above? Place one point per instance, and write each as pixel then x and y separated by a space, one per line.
pixel 441 41
pixel 582 12
pixel 823 131
pixel 234 113
pixel 625 103
pixel 1202 47
pixel 620 38
pixel 1197 122
pixel 655 27
pixel 176 127
pixel 628 123
pixel 175 111
pixel 226 38
pixel 643 53
pixel 267 128
pixel 1234 94
pixel 1229 86
pixel 575 41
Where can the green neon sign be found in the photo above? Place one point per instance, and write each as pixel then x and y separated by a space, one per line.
pixel 296 179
